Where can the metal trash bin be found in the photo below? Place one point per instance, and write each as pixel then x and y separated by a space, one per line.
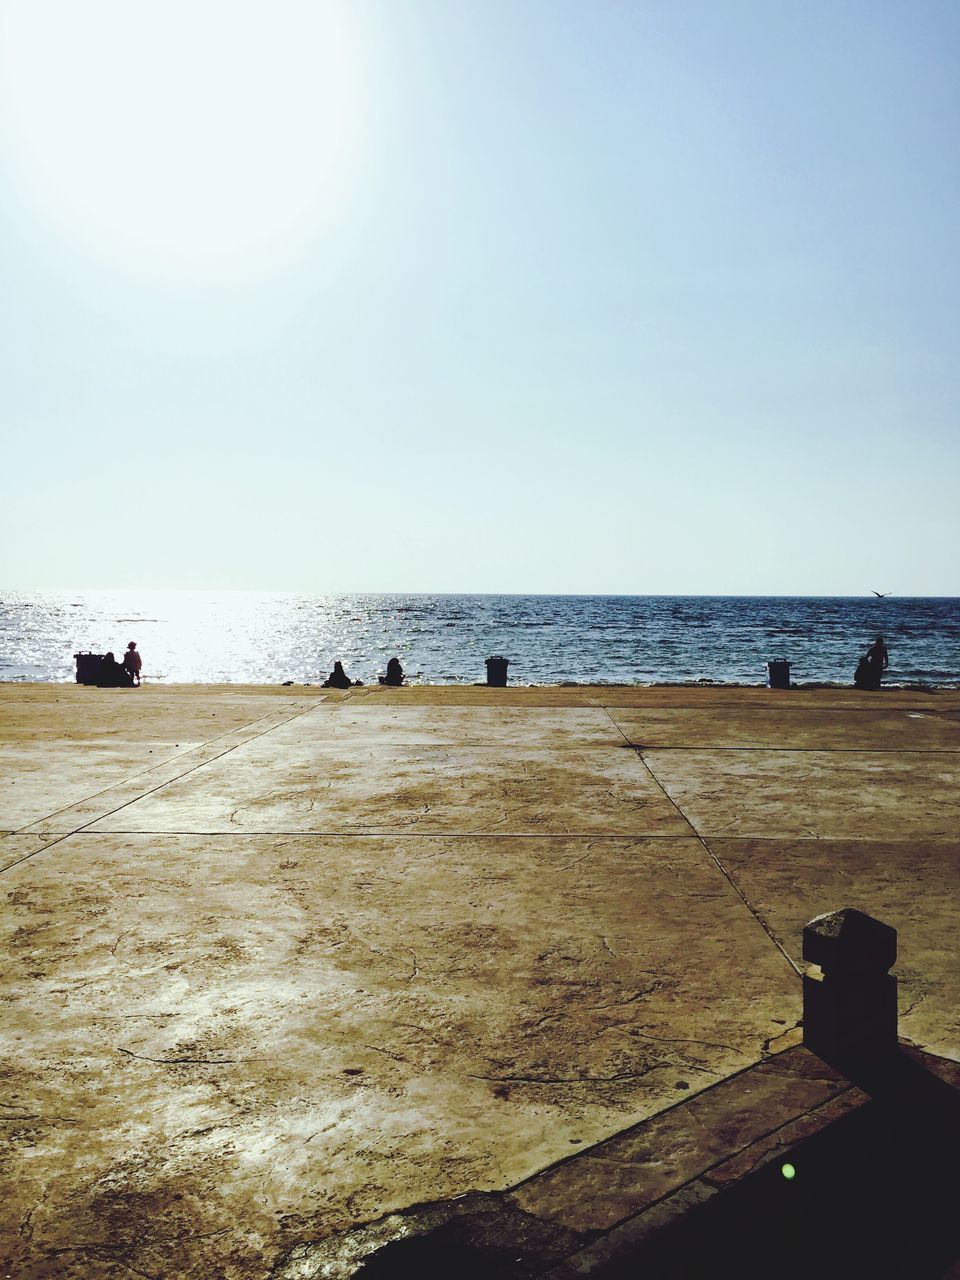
pixel 497 671
pixel 778 674
pixel 88 667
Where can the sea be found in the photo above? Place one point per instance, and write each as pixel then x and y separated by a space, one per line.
pixel 271 638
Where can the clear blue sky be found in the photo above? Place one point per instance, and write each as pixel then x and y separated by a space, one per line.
pixel 481 295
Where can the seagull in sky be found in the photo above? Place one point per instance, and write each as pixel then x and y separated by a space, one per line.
pixel 881 595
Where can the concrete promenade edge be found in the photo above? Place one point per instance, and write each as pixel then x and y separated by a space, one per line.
pixel 285 961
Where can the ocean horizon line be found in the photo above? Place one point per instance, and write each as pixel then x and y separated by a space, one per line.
pixel 479 595
pixel 246 637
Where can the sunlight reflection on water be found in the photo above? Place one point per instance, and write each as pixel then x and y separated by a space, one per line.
pixel 265 638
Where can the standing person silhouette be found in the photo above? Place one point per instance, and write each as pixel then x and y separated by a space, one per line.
pixel 132 662
pixel 878 660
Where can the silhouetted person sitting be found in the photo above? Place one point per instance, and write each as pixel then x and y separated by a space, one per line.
pixel 337 679
pixel 394 673
pixel 112 674
pixel 879 660
pixel 132 662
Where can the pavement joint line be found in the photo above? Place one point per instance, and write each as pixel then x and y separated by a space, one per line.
pixel 629 836
pixel 710 854
pixel 395 835
pixel 83 826
pixel 752 708
pixel 823 751
pixel 760 708
pixel 43 848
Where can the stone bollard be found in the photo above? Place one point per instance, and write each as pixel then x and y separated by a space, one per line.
pixel 850 1014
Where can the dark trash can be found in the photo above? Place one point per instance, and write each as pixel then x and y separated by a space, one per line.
pixel 88 667
pixel 497 671
pixel 778 674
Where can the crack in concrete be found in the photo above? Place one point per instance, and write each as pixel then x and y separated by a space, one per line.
pixel 103 1253
pixel 708 1044
pixel 582 858
pixel 43 1118
pixel 611 1079
pixel 316 1134
pixel 25 1230
pixel 170 1062
pixel 111 1252
pixel 388 1053
pixel 127 1017
pixel 778 1035
pixel 915 1005
pixel 639 994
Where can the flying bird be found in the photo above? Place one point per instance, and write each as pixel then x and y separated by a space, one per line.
pixel 881 595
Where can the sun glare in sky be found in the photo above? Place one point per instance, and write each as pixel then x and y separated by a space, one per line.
pixel 628 296
pixel 204 139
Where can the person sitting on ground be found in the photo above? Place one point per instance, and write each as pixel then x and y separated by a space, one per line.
pixel 132 662
pixel 337 679
pixel 112 674
pixel 394 673
pixel 879 660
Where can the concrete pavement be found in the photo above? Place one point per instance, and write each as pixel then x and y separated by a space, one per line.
pixel 283 961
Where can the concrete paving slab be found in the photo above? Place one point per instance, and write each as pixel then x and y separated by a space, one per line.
pixel 114 799
pixel 911 885
pixel 189 713
pixel 223 1046
pixel 266 786
pixel 812 794
pixel 58 751
pixel 371 723
pixel 231 1044
pixel 36 781
pixel 901 729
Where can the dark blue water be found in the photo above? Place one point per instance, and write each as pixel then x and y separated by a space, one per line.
pixel 443 639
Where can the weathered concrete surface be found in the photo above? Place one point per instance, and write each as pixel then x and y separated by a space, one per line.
pixel 358 951
pixel 817 795
pixel 121 731
pixel 913 885
pixel 824 728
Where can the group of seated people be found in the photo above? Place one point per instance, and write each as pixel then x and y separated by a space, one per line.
pixel 120 675
pixel 338 678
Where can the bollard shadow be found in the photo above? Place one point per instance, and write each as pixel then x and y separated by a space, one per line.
pixel 872 1196
pixel 867 1200
pixel 908 1093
